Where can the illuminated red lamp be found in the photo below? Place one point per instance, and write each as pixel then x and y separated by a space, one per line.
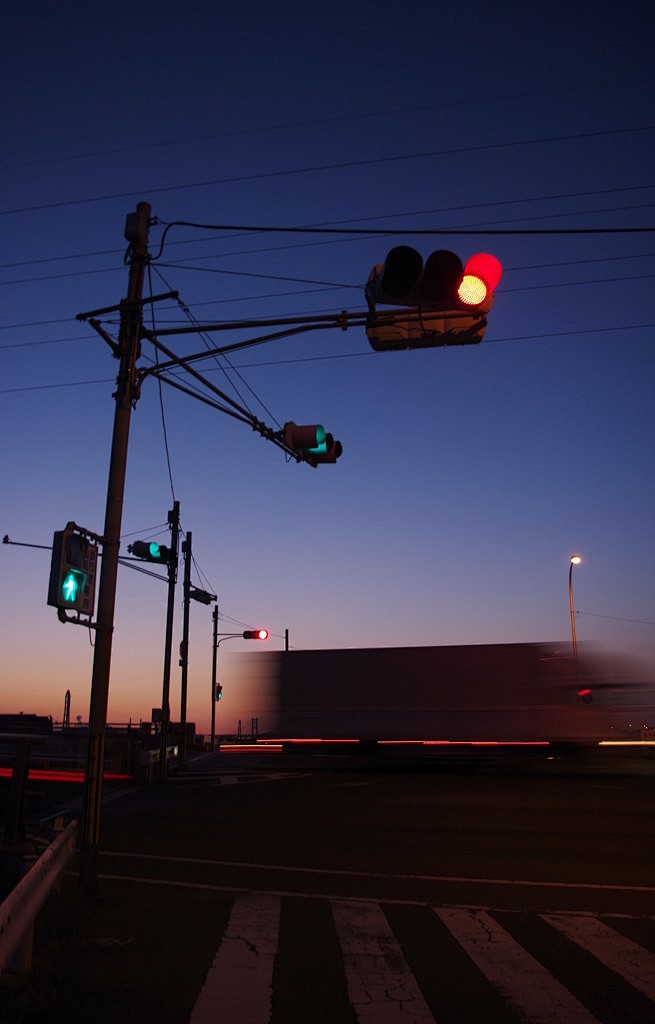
pixel 586 696
pixel 481 275
pixel 255 634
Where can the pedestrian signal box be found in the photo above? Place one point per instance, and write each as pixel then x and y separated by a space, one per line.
pixel 72 583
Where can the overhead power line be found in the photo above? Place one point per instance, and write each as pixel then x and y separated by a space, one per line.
pixel 366 115
pixel 342 165
pixel 618 618
pixel 363 232
pixel 351 355
pixel 377 217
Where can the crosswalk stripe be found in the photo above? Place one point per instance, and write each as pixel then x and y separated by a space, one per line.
pixel 239 986
pixel 381 987
pixel 525 983
pixel 380 981
pixel 623 956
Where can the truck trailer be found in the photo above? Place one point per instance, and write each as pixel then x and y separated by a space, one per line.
pixel 490 693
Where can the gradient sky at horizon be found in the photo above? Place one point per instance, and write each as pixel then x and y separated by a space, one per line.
pixel 469 474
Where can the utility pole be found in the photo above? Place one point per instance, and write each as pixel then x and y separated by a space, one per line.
pixel 184 647
pixel 126 394
pixel 214 680
pixel 174 520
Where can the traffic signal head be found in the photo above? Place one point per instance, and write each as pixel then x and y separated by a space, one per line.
pixel 255 634
pixel 73 572
pixel 446 302
pixel 311 443
pixel 218 695
pixel 151 551
pixel 442 283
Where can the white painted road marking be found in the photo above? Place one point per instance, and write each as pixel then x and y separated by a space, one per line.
pixel 343 872
pixel 623 956
pixel 239 985
pixel 523 981
pixel 381 987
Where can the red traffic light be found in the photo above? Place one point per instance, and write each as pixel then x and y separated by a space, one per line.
pixel 442 283
pixel 481 275
pixel 255 634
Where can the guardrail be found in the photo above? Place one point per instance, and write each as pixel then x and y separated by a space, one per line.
pixel 19 910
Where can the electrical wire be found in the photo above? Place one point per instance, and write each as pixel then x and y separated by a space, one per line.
pixel 328 287
pixel 339 165
pixel 161 397
pixel 617 618
pixel 338 119
pixel 363 233
pixel 354 355
pixel 370 217
pixel 150 531
pixel 209 345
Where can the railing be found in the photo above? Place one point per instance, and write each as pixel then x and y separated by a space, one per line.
pixel 19 910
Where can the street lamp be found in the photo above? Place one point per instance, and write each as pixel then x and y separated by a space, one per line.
pixel 248 634
pixel 573 560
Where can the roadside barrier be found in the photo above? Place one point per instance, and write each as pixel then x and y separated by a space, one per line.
pixel 19 910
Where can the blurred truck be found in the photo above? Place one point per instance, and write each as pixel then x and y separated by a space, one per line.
pixel 496 693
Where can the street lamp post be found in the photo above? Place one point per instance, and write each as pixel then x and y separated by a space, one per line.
pixel 573 560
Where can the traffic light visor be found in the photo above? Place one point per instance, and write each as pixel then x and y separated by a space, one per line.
pixel 402 269
pixel 481 275
pixel 441 277
pixel 299 438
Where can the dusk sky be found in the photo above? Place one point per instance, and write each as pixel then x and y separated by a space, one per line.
pixel 469 474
